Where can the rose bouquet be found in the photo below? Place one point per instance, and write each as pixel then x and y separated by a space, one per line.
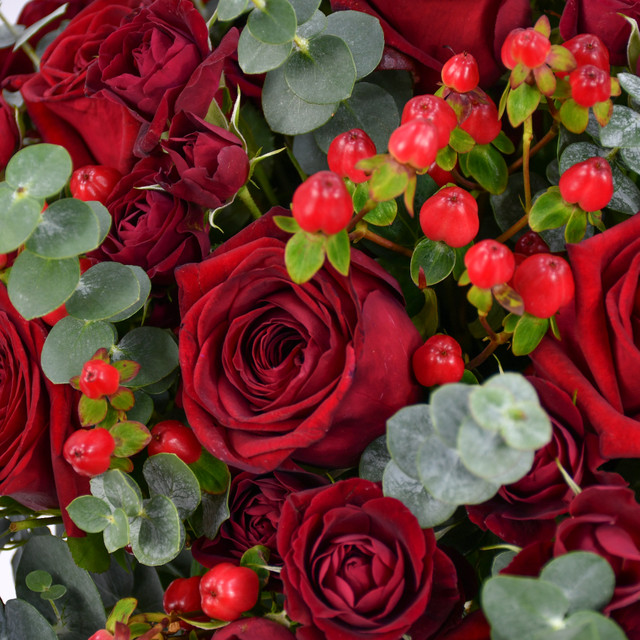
pixel 318 320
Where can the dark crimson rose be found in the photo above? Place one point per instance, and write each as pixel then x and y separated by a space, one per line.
pixel 9 135
pixel 255 503
pixel 209 163
pixel 357 565
pixel 525 511
pixel 472 627
pixel 159 63
pixel 423 34
pixel 93 129
pixel 152 228
pixel 253 629
pixel 272 369
pixel 600 17
pixel 35 420
pixel 598 358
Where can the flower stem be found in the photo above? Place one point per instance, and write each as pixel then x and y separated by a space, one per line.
pixel 246 197
pixel 20 525
pixel 527 136
pixel 25 46
pixel 545 140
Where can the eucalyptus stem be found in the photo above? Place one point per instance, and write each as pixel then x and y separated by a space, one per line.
pixel 25 46
pixel 20 525
pixel 250 203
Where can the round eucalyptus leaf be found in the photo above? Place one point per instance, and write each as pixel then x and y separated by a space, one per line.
pixel 104 217
pixel 525 426
pixel 40 285
pixel 155 535
pixel 449 407
pixel 374 459
pixel 116 535
pixel 488 406
pixel 145 289
pixel 143 407
pixel 231 9
pixel 324 74
pixel 304 9
pixel 407 429
pixel 38 580
pixel 19 217
pixel 68 228
pixel 273 23
pixel 313 27
pixel 255 56
pixel 514 383
pixel 594 625
pixel 122 492
pixel 39 170
pixel 89 513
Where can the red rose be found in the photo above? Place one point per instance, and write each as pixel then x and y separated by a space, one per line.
pixel 9 136
pixel 159 63
pixel 272 369
pixel 93 129
pixel 357 565
pixel 426 31
pixel 209 163
pixel 253 629
pixel 600 17
pixel 35 419
pixel 152 228
pixel 598 358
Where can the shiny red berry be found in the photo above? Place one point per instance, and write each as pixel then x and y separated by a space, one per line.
pixel 588 183
pixel 451 215
pixel 530 47
pixel 89 451
pixel 545 283
pixel 171 436
pixel 415 143
pixel 227 591
pixel 98 379
pixel 589 85
pixel 435 110
pixel 438 361
pixel 346 150
pixel 461 73
pixel 589 49
pixel 505 52
pixel 93 182
pixel 529 243
pixel 182 596
pixel 489 263
pixel 482 123
pixel 322 203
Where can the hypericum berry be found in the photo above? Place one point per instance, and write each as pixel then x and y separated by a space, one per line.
pixel 93 182
pixel 346 150
pixel 451 215
pixel 101 634
pixel 182 596
pixel 434 110
pixel 482 123
pixel 545 283
pixel 505 52
pixel 589 49
pixel 530 243
pixel 489 263
pixel 440 176
pixel 89 451
pixel 415 143
pixel 461 73
pixel 98 379
pixel 322 203
pixel 589 183
pixel 589 85
pixel 171 436
pixel 227 591
pixel 528 46
pixel 438 361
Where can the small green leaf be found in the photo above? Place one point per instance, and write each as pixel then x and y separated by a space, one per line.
pixel 521 103
pixel 633 45
pixel 383 214
pixel 574 116
pixel 550 211
pixel 576 226
pixel 39 170
pixel 122 400
pixel 255 56
pixel 131 437
pixel 212 474
pixel 623 129
pixel 231 9
pixel 89 513
pixel 128 370
pixel 155 535
pixel 121 612
pixel 481 299
pixel 436 259
pixel 603 112
pixel 91 411
pixel 461 141
pixel 273 23
pixel 54 593
pixel 304 256
pixel 304 9
pixel 257 559
pixel 38 580
pixel 528 333
pixel 374 459
pixel 447 158
pixel 19 217
pixel 449 407
pixel 503 143
pixel 286 223
pixel 120 490
pixel 116 535
pixel 338 251
pixel 488 167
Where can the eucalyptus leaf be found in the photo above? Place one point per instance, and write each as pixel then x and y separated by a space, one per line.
pixel 116 535
pixel 374 459
pixel 89 513
pixel 449 406
pixel 39 170
pixel 19 217
pixel 304 9
pixel 230 9
pixel 144 283
pixel 255 56
pixel 155 535
pixel 313 27
pixel 274 22
pixel 23 620
pixel 122 492
pixel 407 429
pixel 623 130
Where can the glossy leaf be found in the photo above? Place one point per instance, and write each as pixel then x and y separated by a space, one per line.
pixel 338 250
pixel 488 167
pixel 549 211
pixel 304 256
pixel 131 438
pixel 521 103
pixel 436 259
pixel 528 333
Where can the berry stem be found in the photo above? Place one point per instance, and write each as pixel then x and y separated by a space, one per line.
pixel 548 137
pixel 487 327
pixel 369 205
pixel 527 136
pixel 500 338
pixel 514 228
pixel 21 525
pixel 463 182
pixel 365 234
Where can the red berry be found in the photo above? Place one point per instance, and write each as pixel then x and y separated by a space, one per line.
pixel 98 378
pixel 438 361
pixel 439 175
pixel 482 123
pixel 461 72
pixel 435 110
pixel 589 85
pixel 346 150
pixel 415 143
pixel 489 263
pixel 89 451
pixel 530 47
pixel 171 436
pixel 182 596
pixel 530 243
pixel 545 283
pixel 322 203
pixel 451 215
pixel 101 634
pixel 93 182
pixel 589 183
pixel 505 52
pixel 227 591
pixel 589 49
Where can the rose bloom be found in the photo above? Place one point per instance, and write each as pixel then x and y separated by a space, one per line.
pixel 598 357
pixel 253 629
pixel 152 228
pixel 159 63
pixel 35 420
pixel 93 129
pixel 9 135
pixel 600 17
pixel 272 369
pixel 357 565
pixel 421 34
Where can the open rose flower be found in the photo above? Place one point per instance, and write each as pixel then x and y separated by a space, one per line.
pixel 9 135
pixel 272 369
pixel 423 34
pixel 357 565
pixel 598 358
pixel 253 629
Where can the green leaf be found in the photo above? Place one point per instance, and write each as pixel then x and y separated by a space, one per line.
pixel 633 45
pixel 89 552
pixel 70 344
pixel 383 214
pixel 574 116
pixel 407 429
pixel 212 474
pixel 436 259
pixel 121 612
pixel 36 26
pixel 549 211
pixel 19 217
pixel 40 285
pixel 38 580
pixel 274 23
pixel 255 56
pixel 257 559
pixel 460 141
pixel 631 158
pixel 488 167
pixel 91 411
pixel 122 399
pixel 349 26
pixel 154 349
pixel 155 535
pixel 143 407
pixel 39 170
pixel 503 143
pixel 576 226
pixel 447 158
pixel 374 459
pixel 131 438
pixel 23 620
pixel 480 298
pixel 231 9
pixel 521 103
pixel 514 384
pixel 68 227
pixel 313 27
pixel 508 298
pixel 286 223
pixel 586 579
pixel 120 490
pixel 449 407
pixel 338 251
pixel 623 129
pixel 594 625
pixel 144 284
pixel 55 593
pixel 304 256
pixel 630 82
pixel 116 535
pixel 528 333
pixel 167 475
pixel 90 514
pixel 304 9
pixel 215 510
pixel 626 195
